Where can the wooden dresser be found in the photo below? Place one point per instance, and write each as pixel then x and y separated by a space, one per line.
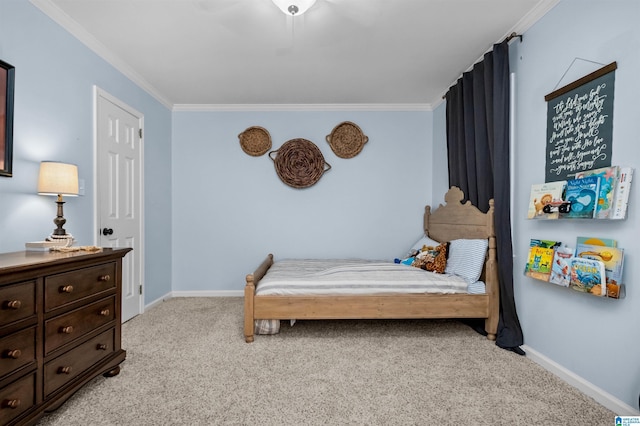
pixel 60 325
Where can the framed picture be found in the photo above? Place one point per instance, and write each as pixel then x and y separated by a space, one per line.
pixel 6 118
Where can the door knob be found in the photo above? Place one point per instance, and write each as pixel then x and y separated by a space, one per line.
pixel 107 231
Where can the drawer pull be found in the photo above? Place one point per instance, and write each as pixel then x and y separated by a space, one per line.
pixel 101 347
pixel 104 277
pixel 64 370
pixel 12 353
pixel 11 403
pixel 66 330
pixel 105 312
pixel 66 289
pixel 12 304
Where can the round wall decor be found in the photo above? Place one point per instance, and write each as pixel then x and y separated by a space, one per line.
pixel 255 141
pixel 299 163
pixel 346 139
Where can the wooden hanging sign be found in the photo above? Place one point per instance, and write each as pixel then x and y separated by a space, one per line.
pixel 580 125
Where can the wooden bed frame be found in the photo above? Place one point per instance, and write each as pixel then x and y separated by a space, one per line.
pixel 451 221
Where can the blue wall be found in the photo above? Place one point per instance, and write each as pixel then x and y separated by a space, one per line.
pixel 55 76
pixel 597 339
pixel 231 209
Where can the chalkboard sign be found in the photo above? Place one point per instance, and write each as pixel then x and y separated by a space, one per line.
pixel 580 125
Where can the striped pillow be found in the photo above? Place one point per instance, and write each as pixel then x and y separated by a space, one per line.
pixel 466 258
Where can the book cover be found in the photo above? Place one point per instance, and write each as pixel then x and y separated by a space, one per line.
pixel 43 245
pixel 588 276
pixel 561 266
pixel 609 242
pixel 539 264
pixel 608 180
pixel 615 291
pixel 613 260
pixel 621 197
pixel 544 243
pixel 541 243
pixel 583 195
pixel 543 194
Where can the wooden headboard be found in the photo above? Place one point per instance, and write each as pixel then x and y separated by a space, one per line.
pixel 455 220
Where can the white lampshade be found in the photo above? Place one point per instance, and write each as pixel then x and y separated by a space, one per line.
pixel 58 178
pixel 294 7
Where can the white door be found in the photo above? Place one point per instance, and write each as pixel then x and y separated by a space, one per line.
pixel 119 191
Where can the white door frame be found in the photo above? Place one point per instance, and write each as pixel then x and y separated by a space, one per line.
pixel 98 92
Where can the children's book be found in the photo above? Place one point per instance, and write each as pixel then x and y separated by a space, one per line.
pixel 541 243
pixel 583 195
pixel 608 180
pixel 539 264
pixel 621 197
pixel 543 194
pixel 609 242
pixel 613 260
pixel 544 243
pixel 588 276
pixel 615 291
pixel 561 267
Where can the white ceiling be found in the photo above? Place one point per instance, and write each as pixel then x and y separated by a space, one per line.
pixel 190 53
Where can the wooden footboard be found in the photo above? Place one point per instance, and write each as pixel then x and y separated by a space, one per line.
pixel 249 294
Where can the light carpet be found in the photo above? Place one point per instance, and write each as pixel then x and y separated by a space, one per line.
pixel 187 364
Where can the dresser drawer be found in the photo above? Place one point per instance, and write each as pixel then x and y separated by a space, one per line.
pixel 62 289
pixel 17 350
pixel 65 328
pixel 64 368
pixel 17 301
pixel 17 398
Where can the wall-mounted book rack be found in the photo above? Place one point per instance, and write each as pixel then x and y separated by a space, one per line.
pixel 594 267
pixel 593 194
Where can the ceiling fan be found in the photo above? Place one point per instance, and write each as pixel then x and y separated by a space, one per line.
pixel 300 16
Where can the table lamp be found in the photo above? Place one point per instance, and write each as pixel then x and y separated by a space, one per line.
pixel 58 179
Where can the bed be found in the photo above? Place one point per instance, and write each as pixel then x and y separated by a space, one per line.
pixel 453 223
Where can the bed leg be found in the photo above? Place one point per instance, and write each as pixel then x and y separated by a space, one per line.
pixel 493 290
pixel 249 293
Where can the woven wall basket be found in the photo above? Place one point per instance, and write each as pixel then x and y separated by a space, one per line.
pixel 255 141
pixel 346 140
pixel 299 163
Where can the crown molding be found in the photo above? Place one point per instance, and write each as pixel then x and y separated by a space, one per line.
pixel 300 107
pixel 534 15
pixel 65 21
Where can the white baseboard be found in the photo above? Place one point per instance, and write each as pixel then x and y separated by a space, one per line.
pixel 157 301
pixel 207 293
pixel 604 398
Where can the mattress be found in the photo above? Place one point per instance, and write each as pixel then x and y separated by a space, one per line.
pixel 357 277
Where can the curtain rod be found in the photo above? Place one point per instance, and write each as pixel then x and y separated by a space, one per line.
pixel 507 39
pixel 512 36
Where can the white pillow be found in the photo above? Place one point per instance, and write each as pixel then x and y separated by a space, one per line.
pixel 424 241
pixel 466 258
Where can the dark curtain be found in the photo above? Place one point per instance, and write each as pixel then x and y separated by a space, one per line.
pixel 478 154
